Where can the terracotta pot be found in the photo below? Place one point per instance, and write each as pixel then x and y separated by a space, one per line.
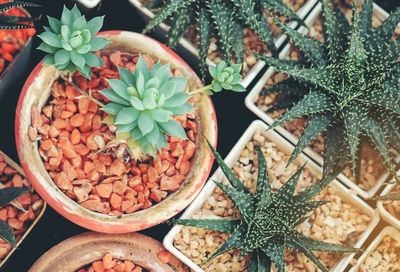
pixel 36 91
pixel 81 250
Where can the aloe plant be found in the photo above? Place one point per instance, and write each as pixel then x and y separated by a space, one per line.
pixel 348 85
pixel 143 103
pixel 7 195
pixel 224 19
pixel 268 219
pixel 11 22
pixel 70 42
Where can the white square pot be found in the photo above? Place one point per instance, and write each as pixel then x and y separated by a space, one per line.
pixel 287 148
pixel 255 92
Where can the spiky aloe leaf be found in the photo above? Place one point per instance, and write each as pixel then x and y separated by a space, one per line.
pixel 180 25
pixel 268 219
pixel 359 76
pixel 223 19
pixel 205 35
pixel 10 22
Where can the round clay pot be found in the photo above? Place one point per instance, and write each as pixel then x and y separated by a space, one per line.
pixel 36 91
pixel 81 250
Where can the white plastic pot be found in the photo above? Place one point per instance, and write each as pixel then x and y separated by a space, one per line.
pixel 392 232
pixel 146 14
pixel 388 217
pixel 255 92
pixel 287 148
pixel 89 4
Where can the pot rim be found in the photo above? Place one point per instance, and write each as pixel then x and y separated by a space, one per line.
pixel 141 219
pixel 125 247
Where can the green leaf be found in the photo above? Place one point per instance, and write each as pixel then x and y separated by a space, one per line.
pixel 79 23
pixel 233 179
pixel 51 39
pixel 92 60
pixel 61 57
pixel 366 19
pixel 173 128
pixel 7 234
pixel 112 108
pixel 275 249
pixel 223 21
pixel 176 100
pixel 222 225
pixel 126 76
pixel 289 187
pixel 95 24
pixel 47 48
pixel 237 41
pixel 55 25
pixel 120 88
pixel 137 103
pixel 312 103
pixel 312 49
pixel 98 43
pixel 281 8
pixel 182 109
pixel 385 31
pixel 48 59
pixel 127 128
pixel 145 123
pixel 126 116
pixel 111 95
pixel 9 194
pixel 205 34
pixel 77 59
pixel 318 123
pixel 180 24
pixel 259 262
pixel 167 10
pixel 67 18
pixel 161 115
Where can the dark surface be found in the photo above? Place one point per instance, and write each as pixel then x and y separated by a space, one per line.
pixel 233 119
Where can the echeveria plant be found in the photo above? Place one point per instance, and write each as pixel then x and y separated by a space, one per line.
pixel 145 102
pixel 349 85
pixel 69 42
pixel 268 219
pixel 7 195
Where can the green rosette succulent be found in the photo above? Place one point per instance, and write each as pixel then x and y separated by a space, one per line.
pixel 69 42
pixel 268 219
pixel 224 77
pixel 143 105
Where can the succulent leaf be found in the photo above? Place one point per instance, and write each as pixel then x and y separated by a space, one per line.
pixel 351 92
pixel 268 219
pixel 69 42
pixel 226 77
pixel 144 104
pixel 223 19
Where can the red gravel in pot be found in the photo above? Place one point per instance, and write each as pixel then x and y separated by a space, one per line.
pixel 85 161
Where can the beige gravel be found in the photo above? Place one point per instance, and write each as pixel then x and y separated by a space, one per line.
pixel 338 221
pixel 386 257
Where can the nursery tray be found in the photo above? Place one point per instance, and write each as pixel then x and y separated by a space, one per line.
pixel 17 67
pixel 388 217
pixel 287 148
pixel 259 86
pixel 391 231
pixel 162 30
pixel 18 168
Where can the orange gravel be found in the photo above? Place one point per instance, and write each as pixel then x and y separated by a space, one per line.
pixel 72 134
pixel 109 264
pixel 18 220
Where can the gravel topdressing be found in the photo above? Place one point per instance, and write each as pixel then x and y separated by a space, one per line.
pixel 338 221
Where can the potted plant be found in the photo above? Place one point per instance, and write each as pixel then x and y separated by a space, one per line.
pixel 16 30
pixel 382 254
pixel 199 41
pixel 332 124
pixel 121 147
pixel 20 207
pixel 350 227
pixel 129 252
